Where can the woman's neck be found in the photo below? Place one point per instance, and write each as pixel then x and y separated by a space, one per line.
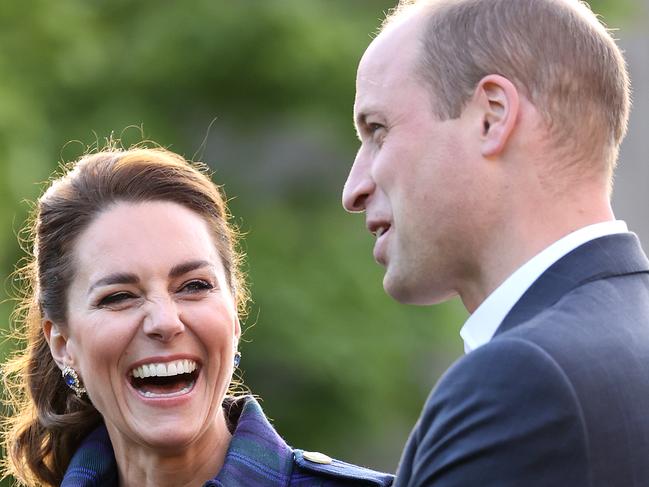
pixel 188 466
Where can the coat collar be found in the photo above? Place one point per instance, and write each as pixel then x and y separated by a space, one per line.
pixel 612 255
pixel 257 454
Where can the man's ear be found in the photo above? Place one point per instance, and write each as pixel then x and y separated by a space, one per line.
pixel 498 100
pixel 58 343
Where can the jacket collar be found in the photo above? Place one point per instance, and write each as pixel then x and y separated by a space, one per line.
pixel 257 454
pixel 612 255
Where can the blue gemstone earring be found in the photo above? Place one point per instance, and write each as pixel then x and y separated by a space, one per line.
pixel 237 359
pixel 71 379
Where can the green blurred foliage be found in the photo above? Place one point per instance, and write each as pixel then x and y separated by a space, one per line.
pixel 340 366
pixel 353 365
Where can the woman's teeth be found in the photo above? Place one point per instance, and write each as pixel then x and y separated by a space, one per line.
pixel 165 379
pixel 166 369
pixel 180 392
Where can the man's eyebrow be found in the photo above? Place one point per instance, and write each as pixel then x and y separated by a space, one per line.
pixel 360 121
pixel 185 267
pixel 360 118
pixel 116 278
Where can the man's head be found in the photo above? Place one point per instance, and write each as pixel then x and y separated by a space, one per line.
pixel 556 52
pixel 455 100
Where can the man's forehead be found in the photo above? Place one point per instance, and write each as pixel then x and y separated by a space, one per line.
pixel 398 45
pixel 372 86
pixel 388 62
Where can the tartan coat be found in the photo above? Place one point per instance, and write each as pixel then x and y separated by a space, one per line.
pixel 257 456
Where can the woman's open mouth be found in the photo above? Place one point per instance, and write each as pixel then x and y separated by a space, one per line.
pixel 165 379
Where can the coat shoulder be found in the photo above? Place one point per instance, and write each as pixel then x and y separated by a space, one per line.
pixel 309 466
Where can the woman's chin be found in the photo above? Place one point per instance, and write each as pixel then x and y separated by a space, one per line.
pixel 169 439
pixel 165 434
pixel 167 420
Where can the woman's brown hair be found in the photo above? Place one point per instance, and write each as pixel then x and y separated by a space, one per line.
pixel 46 420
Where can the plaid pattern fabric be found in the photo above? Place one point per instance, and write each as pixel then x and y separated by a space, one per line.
pixel 93 464
pixel 257 456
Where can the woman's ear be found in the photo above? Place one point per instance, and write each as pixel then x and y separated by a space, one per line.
pixel 237 328
pixel 498 100
pixel 58 343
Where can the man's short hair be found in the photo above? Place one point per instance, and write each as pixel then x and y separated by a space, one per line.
pixel 556 51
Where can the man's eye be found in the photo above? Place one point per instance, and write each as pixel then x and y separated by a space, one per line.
pixel 377 133
pixel 196 286
pixel 115 298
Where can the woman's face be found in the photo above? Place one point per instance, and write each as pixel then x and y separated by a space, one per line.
pixel 152 324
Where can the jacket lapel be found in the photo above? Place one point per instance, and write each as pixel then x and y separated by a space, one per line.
pixel 257 454
pixel 612 255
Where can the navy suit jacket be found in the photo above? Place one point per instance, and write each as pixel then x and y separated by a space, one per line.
pixel 560 395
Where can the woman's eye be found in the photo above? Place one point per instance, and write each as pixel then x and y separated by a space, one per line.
pixel 374 127
pixel 115 298
pixel 196 286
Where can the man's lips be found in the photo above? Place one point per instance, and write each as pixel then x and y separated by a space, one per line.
pixel 381 232
pixel 378 227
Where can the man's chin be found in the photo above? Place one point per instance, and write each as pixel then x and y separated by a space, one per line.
pixel 400 290
pixel 409 291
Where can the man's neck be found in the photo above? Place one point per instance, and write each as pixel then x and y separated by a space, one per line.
pixel 486 319
pixel 523 237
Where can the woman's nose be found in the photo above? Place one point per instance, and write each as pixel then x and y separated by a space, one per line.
pixel 162 321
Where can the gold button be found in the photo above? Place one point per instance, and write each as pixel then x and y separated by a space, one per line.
pixel 317 457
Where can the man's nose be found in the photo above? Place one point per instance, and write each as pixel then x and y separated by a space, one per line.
pixel 359 185
pixel 162 321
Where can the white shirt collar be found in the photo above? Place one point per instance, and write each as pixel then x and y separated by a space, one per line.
pixel 483 323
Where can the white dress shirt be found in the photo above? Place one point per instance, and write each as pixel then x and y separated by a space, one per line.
pixel 483 323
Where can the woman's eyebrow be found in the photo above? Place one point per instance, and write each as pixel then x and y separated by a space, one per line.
pixel 116 278
pixel 129 278
pixel 185 267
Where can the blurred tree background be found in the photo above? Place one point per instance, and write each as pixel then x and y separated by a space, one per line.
pixel 262 91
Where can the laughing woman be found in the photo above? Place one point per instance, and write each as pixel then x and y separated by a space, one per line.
pixel 131 333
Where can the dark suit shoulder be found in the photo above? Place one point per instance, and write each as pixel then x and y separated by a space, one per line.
pixel 597 335
pixel 592 312
pixel 494 419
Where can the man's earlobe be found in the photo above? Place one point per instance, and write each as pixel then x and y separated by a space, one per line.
pixel 58 343
pixel 499 102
